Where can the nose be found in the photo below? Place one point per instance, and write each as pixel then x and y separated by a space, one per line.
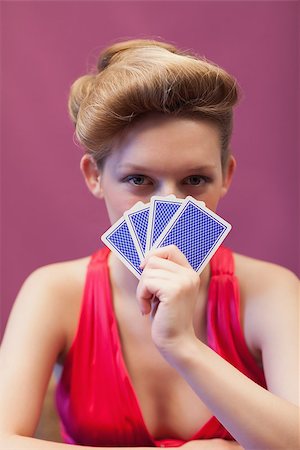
pixel 167 188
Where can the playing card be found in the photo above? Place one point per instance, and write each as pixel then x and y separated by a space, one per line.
pixel 137 221
pixel 161 211
pixel 119 240
pixel 196 231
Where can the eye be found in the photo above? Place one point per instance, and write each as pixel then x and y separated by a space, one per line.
pixel 196 180
pixel 138 180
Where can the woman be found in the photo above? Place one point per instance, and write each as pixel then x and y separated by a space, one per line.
pixel 213 364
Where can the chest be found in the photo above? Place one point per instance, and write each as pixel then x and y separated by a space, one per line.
pixel 168 405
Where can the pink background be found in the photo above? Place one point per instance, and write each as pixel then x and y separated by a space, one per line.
pixel 48 214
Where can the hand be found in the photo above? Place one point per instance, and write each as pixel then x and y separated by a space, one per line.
pixel 212 444
pixel 168 289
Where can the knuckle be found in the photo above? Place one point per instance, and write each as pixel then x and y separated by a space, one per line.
pixel 174 249
pixel 151 262
pixel 192 279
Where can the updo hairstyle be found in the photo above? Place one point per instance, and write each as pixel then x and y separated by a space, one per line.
pixel 137 77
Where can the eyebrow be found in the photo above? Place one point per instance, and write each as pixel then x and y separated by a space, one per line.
pixel 137 168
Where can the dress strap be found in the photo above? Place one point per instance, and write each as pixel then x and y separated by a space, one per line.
pixel 222 262
pixel 99 257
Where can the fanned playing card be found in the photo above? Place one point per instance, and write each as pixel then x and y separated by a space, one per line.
pixel 119 240
pixel 196 231
pixel 162 209
pixel 137 220
pixel 189 224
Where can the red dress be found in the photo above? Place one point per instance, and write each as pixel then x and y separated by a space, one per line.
pixel 95 397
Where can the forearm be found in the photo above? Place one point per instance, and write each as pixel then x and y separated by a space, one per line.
pixel 255 417
pixel 212 444
pixel 13 442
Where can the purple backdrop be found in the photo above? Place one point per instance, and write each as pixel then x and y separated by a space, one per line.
pixel 47 212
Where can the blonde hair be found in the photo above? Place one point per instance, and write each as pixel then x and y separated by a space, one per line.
pixel 137 77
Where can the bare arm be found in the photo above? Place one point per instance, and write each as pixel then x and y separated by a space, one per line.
pixel 34 338
pixel 13 442
pixel 257 418
pixel 212 444
pixel 27 443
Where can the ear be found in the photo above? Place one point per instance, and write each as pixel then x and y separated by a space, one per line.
pixel 228 175
pixel 92 175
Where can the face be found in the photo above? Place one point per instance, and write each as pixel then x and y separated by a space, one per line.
pixel 162 156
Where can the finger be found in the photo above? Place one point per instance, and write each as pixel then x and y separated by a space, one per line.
pixel 156 262
pixel 154 305
pixel 148 288
pixel 170 252
pixel 144 297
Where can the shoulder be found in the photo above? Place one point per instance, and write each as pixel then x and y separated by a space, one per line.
pixel 60 276
pixel 260 277
pixel 48 300
pixel 58 285
pixel 269 297
pixel 54 285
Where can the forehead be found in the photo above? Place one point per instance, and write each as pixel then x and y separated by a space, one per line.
pixel 159 135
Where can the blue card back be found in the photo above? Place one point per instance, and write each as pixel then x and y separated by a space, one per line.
pixel 139 223
pixel 161 213
pixel 197 232
pixel 119 240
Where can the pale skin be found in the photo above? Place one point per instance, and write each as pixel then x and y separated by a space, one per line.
pixel 166 352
